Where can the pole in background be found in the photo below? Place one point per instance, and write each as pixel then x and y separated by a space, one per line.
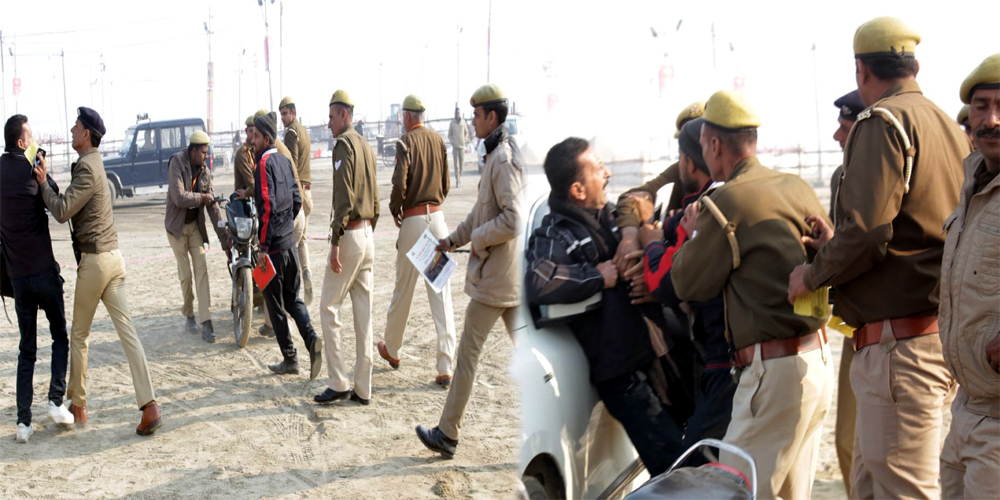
pixel 267 53
pixel 62 54
pixel 211 72
pixel 819 133
pixel 713 47
pixel 239 92
pixel 458 64
pixel 489 29
pixel 281 44
pixel 3 81
pixel 13 55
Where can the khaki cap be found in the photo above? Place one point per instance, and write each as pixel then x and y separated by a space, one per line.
pixel 413 103
pixel 963 115
pixel 260 112
pixel 694 110
pixel 199 138
pixel 286 101
pixel 730 110
pixel 341 97
pixel 249 121
pixel 987 73
pixel 885 36
pixel 487 94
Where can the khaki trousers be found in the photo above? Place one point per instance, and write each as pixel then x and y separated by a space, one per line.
pixel 357 256
pixel 191 244
pixel 101 278
pixel 778 412
pixel 847 414
pixel 902 387
pixel 970 460
pixel 301 238
pixel 402 295
pixel 299 228
pixel 458 158
pixel 479 320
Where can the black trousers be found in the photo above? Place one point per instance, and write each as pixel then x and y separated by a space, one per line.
pixel 282 294
pixel 42 291
pixel 654 433
pixel 712 412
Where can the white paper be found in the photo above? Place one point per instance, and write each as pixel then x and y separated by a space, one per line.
pixel 434 265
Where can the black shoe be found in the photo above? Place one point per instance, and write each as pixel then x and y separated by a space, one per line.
pixel 355 397
pixel 435 440
pixel 329 396
pixel 286 367
pixel 191 325
pixel 315 358
pixel 207 332
pixel 266 331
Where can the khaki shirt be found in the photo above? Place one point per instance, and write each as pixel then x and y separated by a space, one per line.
pixel 885 256
pixel 627 215
pixel 767 211
pixel 355 187
pixel 970 289
pixel 243 168
pixel 87 201
pixel 421 174
pixel 184 192
pixel 458 134
pixel 299 146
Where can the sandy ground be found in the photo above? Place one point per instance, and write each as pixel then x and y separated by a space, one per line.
pixel 231 428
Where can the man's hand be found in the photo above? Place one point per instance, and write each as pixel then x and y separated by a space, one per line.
pixel 628 245
pixel 610 273
pixel 638 290
pixel 335 259
pixel 398 219
pixel 643 205
pixel 261 258
pixel 444 245
pixel 40 170
pixel 649 233
pixel 993 353
pixel 821 232
pixel 241 194
pixel 690 218
pixel 796 283
pixel 207 198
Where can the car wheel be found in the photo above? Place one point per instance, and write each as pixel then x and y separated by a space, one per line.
pixel 534 489
pixel 114 192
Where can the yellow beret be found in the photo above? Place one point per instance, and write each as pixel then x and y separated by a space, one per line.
pixel 260 112
pixel 487 94
pixel 963 115
pixel 413 103
pixel 694 110
pixel 730 110
pixel 341 97
pixel 885 36
pixel 199 138
pixel 286 101
pixel 987 73
pixel 249 121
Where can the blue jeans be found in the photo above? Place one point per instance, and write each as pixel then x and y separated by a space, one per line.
pixel 42 291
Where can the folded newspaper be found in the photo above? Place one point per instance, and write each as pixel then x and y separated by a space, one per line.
pixel 435 266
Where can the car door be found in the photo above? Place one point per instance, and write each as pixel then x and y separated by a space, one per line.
pixel 171 141
pixel 147 158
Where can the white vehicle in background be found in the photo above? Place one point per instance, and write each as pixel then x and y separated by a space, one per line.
pixel 571 447
pixel 513 124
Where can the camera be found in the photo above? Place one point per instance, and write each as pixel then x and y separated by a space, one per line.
pixel 41 152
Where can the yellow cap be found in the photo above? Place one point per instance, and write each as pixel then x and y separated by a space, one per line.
pixel 963 115
pixel 249 121
pixel 286 101
pixel 260 112
pixel 730 110
pixel 199 138
pixel 885 36
pixel 413 103
pixel 487 94
pixel 987 73
pixel 694 110
pixel 341 97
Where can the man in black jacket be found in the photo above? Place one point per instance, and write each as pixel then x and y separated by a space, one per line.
pixel 33 271
pixel 278 202
pixel 570 259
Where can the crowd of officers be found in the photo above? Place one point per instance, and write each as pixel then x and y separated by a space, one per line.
pixel 909 251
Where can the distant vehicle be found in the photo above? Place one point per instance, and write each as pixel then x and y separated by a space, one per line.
pixel 141 163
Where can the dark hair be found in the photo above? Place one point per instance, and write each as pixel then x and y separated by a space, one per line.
pixel 290 106
pixel 561 166
pixel 13 129
pixel 192 147
pixel 735 140
pixel 890 67
pixel 500 108
pixel 95 138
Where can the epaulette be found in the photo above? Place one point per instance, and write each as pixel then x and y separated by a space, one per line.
pixel 889 118
pixel 727 227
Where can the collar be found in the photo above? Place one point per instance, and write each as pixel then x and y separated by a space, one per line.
pixel 686 200
pixel 904 86
pixel 743 166
pixel 88 151
pixel 415 127
pixel 495 138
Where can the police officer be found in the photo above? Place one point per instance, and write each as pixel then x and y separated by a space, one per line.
pixel 747 238
pixel 963 120
pixel 352 255
pixel 243 165
pixel 419 187
pixel 458 135
pixel 100 276
pixel 902 173
pixel 970 292
pixel 300 148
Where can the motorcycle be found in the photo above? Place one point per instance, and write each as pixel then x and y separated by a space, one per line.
pixel 241 223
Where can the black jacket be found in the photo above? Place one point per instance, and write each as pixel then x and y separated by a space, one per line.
pixel 24 225
pixel 278 201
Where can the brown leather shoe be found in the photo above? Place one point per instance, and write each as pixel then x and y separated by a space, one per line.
pixel 79 415
pixel 443 381
pixel 384 352
pixel 150 420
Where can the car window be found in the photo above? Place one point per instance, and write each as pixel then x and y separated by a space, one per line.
pixel 145 140
pixel 188 130
pixel 170 138
pixel 126 145
pixel 512 127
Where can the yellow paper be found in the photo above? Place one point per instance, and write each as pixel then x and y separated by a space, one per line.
pixel 816 304
pixel 31 152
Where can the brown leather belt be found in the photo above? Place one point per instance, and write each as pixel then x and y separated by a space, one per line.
pixel 425 209
pixel 902 328
pixel 781 348
pixel 307 186
pixel 357 224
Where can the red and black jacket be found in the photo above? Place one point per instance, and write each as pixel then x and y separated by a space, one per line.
pixel 278 201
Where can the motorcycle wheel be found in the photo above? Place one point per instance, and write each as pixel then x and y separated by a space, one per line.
pixel 242 305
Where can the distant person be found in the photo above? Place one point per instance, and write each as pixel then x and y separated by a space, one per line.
pixel 419 187
pixel 100 275
pixel 963 120
pixel 26 250
pixel 243 166
pixel 360 128
pixel 148 144
pixel 300 148
pixel 458 136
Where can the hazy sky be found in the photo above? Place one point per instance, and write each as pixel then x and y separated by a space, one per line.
pixel 597 62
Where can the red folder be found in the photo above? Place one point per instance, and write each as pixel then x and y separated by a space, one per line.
pixel 262 275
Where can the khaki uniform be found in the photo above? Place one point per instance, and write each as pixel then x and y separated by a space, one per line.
pixel 970 294
pixel 190 238
pixel 420 178
pixel 625 212
pixel 300 152
pixel 493 280
pixel 458 135
pixel 243 167
pixel 885 261
pixel 780 403
pixel 100 276
pixel 355 195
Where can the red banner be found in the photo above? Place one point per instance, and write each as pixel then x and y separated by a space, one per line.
pixel 267 55
pixel 17 86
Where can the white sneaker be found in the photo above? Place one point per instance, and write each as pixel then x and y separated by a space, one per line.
pixel 24 432
pixel 60 414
